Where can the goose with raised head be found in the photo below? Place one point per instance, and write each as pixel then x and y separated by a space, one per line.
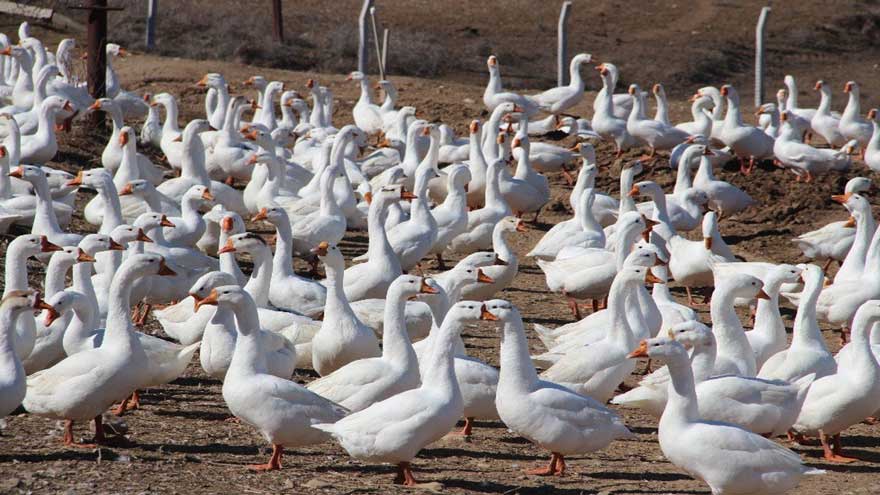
pixel 872 151
pixel 367 115
pixel 835 240
pixel 363 382
pixel 118 143
pixel 852 125
pixel 550 415
pixel 620 103
pixel 151 130
pixel 526 190
pixel 683 209
pixel 791 104
pixel 132 105
pixel 149 199
pixel 215 81
pixel 229 155
pixel 370 280
pixel 82 386
pixel 451 216
pixel 825 122
pixel 768 336
pixel 343 338
pixel 657 134
pixel 395 429
pixel 807 352
pixel 45 221
pixel 190 226
pixel 558 100
pixel 702 120
pixel 282 410
pixel 502 275
pixel 13 385
pixel 735 354
pixel 752 464
pixel 597 369
pixel 481 222
pixel 494 95
pixel 747 142
pixel 852 393
pixel 40 147
pixel 287 289
pixel 606 121
pixel 581 231
pixel 193 172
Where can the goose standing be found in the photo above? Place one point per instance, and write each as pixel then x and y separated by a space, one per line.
pixel 825 122
pixel 747 142
pixel 751 463
pixel 12 378
pixel 852 125
pixel 560 99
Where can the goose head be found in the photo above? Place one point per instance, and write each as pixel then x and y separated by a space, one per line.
pixel 480 259
pixel 492 63
pixel 710 228
pixel 511 224
pixel 18 301
pixel 62 302
pixel 408 286
pixel 69 256
pixel 646 188
pixel 780 274
pixel 151 220
pixel 212 80
pixel 858 184
pixel 95 178
pixel 123 234
pixel 647 255
pixel 257 82
pixel 741 285
pixel 499 312
pixel 248 242
pixel 229 296
pixel 147 264
pixel 355 76
pixel 329 254
pixel 138 187
pixel 580 59
pixel 465 312
pixel 691 334
pixel 458 176
pixel 661 348
pixel 259 134
pixel 115 50
pixel 127 138
pixel 851 87
pixel 198 194
pixel 231 223
pixel 211 280
pixel 93 244
pixel 274 214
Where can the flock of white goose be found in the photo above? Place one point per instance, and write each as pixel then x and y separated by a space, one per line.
pixel 395 375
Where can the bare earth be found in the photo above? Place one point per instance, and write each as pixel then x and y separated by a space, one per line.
pixel 178 441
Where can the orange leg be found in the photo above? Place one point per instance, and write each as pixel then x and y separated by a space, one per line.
pixel 130 403
pixel 555 468
pixel 691 301
pixel 843 333
pixel 468 428
pixel 568 178
pixel 405 475
pixel 99 438
pixel 832 451
pixel 274 461
pixel 573 306
pixel 827 265
pixel 230 181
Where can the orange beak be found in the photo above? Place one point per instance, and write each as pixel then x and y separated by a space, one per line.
pixel 850 222
pixel 123 138
pixel 207 196
pixel 18 173
pixel 404 194
pixel 165 222
pixel 483 278
pixel 486 315
pixel 48 247
pixel 633 192
pixel 227 248
pixel 368 197
pixel 115 246
pixel 652 279
pixel 427 289
pixel 203 81
pixel 126 190
pixel 53 315
pixel 211 300
pixel 76 181
pixel 521 226
pixel 762 295
pixel 226 224
pixel 83 257
pixel 261 215
pixel 841 198
pixel 641 350
pixel 707 242
pixel 2 151
pixel 321 249
pixel 164 271
pixel 142 236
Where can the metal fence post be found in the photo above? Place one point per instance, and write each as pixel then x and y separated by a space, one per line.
pixel 759 56
pixel 562 45
pixel 277 22
pixel 152 13
pixel 363 55
pixel 385 34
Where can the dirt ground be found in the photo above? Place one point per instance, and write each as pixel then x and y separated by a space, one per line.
pixel 179 443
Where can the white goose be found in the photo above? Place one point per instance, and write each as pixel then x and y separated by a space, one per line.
pixel 364 382
pixel 560 99
pixel 495 95
pixel 481 222
pixel 657 134
pixel 394 430
pixel 752 464
pixel 606 121
pixel 825 122
pixel 13 385
pixel 768 336
pixel 747 142
pixel 282 410
pixel 852 125
pixel 502 274
pixel 550 415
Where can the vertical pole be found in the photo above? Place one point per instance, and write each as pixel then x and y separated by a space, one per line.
pixel 759 56
pixel 97 54
pixel 152 13
pixel 376 41
pixel 277 22
pixel 385 34
pixel 562 45
pixel 363 55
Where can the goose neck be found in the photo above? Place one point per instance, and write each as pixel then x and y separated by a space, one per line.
pixel 681 404
pixel 517 371
pixel 258 283
pixel 439 372
pixel 281 261
pixel 396 345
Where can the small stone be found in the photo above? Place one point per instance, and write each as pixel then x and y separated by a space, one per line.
pixel 317 483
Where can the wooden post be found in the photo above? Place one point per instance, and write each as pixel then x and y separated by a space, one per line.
pixel 363 54
pixel 385 34
pixel 562 45
pixel 96 61
pixel 152 13
pixel 277 22
pixel 376 40
pixel 759 57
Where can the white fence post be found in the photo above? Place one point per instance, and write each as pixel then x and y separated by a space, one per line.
pixel 385 34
